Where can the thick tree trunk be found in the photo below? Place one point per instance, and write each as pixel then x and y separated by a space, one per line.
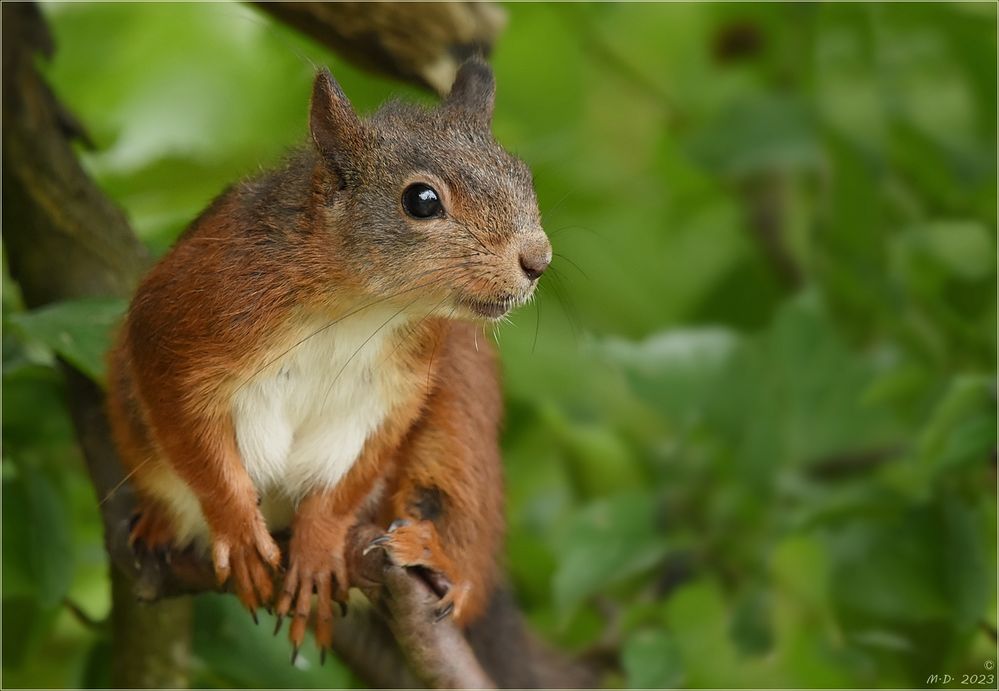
pixel 148 652
pixel 65 240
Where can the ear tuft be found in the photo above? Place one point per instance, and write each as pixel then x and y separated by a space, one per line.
pixel 473 93
pixel 335 127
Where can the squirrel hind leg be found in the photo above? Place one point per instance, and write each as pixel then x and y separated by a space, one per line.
pixel 152 529
pixel 417 545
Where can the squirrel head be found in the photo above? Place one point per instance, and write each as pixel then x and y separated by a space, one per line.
pixel 423 202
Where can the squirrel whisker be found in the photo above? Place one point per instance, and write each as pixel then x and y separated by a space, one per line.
pixel 465 227
pixel 571 263
pixel 361 347
pixel 545 212
pixel 121 483
pixel 568 307
pixel 537 320
pixel 345 316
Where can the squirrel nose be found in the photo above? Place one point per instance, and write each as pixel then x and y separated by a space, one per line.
pixel 533 265
pixel 535 258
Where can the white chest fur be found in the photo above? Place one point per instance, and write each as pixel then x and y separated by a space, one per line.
pixel 302 421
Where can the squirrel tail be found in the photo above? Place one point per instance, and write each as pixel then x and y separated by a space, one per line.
pixel 501 635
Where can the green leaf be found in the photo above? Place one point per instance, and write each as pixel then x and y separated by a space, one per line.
pixel 240 654
pixel 599 460
pixel 963 426
pixel 651 661
pixel 805 389
pixel 21 616
pixel 697 616
pixel 606 543
pixel 752 629
pixel 758 134
pixel 37 537
pixel 79 331
pixel 964 247
pixel 27 390
pixel 969 577
pixel 890 570
pixel 674 370
pixel 800 568
pixel 97 669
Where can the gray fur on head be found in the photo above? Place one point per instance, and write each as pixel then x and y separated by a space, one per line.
pixel 473 93
pixel 336 130
pixel 363 166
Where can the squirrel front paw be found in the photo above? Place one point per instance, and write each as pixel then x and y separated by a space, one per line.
pixel 248 556
pixel 417 544
pixel 316 564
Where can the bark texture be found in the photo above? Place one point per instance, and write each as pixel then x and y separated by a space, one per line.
pixel 422 43
pixel 64 239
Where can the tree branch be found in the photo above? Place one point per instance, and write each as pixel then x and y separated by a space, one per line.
pixel 420 43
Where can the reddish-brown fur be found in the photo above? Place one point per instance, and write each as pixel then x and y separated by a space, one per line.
pixel 212 312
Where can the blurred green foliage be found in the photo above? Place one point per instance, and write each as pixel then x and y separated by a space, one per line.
pixel 751 422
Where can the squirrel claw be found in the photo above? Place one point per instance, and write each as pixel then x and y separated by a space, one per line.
pixel 415 544
pixel 339 596
pixel 296 600
pixel 277 626
pixel 294 654
pixel 246 561
pixel 150 531
pixel 322 657
pixel 377 542
pixel 442 613
pixel 396 524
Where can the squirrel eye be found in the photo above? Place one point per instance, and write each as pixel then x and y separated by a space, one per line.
pixel 421 201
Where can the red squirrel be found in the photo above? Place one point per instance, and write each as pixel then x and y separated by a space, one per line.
pixel 308 351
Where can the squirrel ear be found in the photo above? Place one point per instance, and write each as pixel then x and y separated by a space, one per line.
pixel 474 91
pixel 335 127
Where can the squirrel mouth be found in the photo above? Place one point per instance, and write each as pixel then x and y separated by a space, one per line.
pixel 491 309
